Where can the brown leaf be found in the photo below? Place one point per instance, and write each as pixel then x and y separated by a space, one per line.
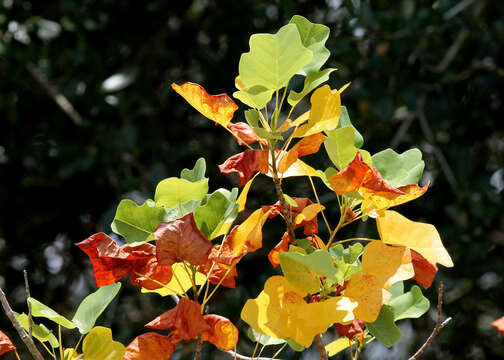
pixel 181 240
pixel 245 164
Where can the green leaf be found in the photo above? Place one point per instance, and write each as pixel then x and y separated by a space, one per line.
pixel 290 201
pixel 178 211
pixel 311 82
pixel 267 135
pixel 274 59
pixel 347 259
pixel 256 96
pixel 215 210
pixel 306 245
pixel 252 116
pixel 410 305
pixel 397 289
pixel 399 169
pixel 197 173
pixel 99 345
pixel 174 191
pixel 340 147
pixel 384 329
pixel 345 121
pixel 137 223
pixel 39 332
pixel 40 310
pixel 263 339
pixel 325 175
pixel 313 37
pixel 294 345
pixel 93 305
pixel 319 262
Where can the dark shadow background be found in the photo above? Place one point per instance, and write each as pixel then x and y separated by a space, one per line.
pixel 424 74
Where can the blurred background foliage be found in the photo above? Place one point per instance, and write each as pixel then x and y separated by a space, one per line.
pixel 87 117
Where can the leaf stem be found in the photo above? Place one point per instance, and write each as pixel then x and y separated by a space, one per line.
pixel 216 286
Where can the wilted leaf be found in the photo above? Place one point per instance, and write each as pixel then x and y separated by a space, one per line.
pixel 6 344
pixel 219 108
pixel 242 199
pixel 273 58
pixel 99 345
pixel 181 240
pixel 355 329
pixel 245 164
pixel 93 305
pixel 222 332
pixel 396 229
pixel 149 346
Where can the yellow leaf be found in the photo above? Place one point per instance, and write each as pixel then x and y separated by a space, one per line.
pixel 173 287
pixel 301 119
pixel 99 345
pixel 344 87
pixel 71 354
pixel 374 203
pixel 286 125
pixel 242 199
pixel 324 114
pixel 339 345
pixel 308 213
pixel 389 264
pixel 248 236
pixel 396 229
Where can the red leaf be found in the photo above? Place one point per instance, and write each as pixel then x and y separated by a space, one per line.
pixel 149 346
pixel 6 344
pixel 245 164
pixel 306 146
pixel 243 131
pixel 222 332
pixel 181 240
pixel 112 262
pixel 356 328
pixel 499 325
pixel 219 270
pixel 425 271
pixel 185 320
pixel 282 246
pixel 310 227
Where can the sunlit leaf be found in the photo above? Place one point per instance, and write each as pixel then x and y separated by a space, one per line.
pixel 313 37
pixel 244 133
pixel 219 108
pixel 345 121
pixel 181 240
pixel 40 310
pixel 299 274
pixel 6 344
pixel 93 305
pixel 137 223
pixel 248 235
pixel 310 225
pixel 245 164
pixel 242 199
pixel 340 147
pixel 499 325
pixel 222 332
pixel 311 82
pixel 282 246
pixel 149 346
pixel 373 203
pixel 273 58
pixel 174 191
pixel 39 332
pixel 409 305
pixel 256 96
pixel 425 271
pixel 324 113
pixel 99 345
pixel 338 346
pixel 383 328
pixel 180 282
pixel 399 169
pixel 217 208
pixel 195 174
pixel 306 146
pixel 396 229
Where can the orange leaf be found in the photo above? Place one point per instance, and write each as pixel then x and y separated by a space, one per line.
pixel 355 329
pixel 181 240
pixel 425 271
pixel 282 246
pixel 306 146
pixel 244 132
pixel 374 203
pixel 499 325
pixel 149 346
pixel 310 223
pixel 6 344
pixel 245 164
pixel 185 321
pixel 222 332
pixel 112 262
pixel 219 270
pixel 219 108
pixel 389 264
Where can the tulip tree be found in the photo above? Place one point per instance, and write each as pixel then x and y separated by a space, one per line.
pixel 184 242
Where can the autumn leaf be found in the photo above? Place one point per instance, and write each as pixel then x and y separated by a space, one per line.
pixel 282 246
pixel 304 214
pixel 374 203
pixel 425 271
pixel 6 344
pixel 222 332
pixel 245 164
pixel 181 240
pixel 352 330
pixel 180 282
pixel 248 235
pixel 306 146
pixel 221 273
pixel 185 320
pixel 112 262
pixel 219 108
pixel 499 325
pixel 396 229
pixel 243 132
pixel 149 346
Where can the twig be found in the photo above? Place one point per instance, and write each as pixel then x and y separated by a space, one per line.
pixel 27 288
pixel 22 333
pixel 320 347
pixel 243 357
pixel 456 9
pixel 199 344
pixel 437 328
pixel 58 97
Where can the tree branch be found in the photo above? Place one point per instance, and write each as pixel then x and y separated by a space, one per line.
pixel 22 333
pixel 437 328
